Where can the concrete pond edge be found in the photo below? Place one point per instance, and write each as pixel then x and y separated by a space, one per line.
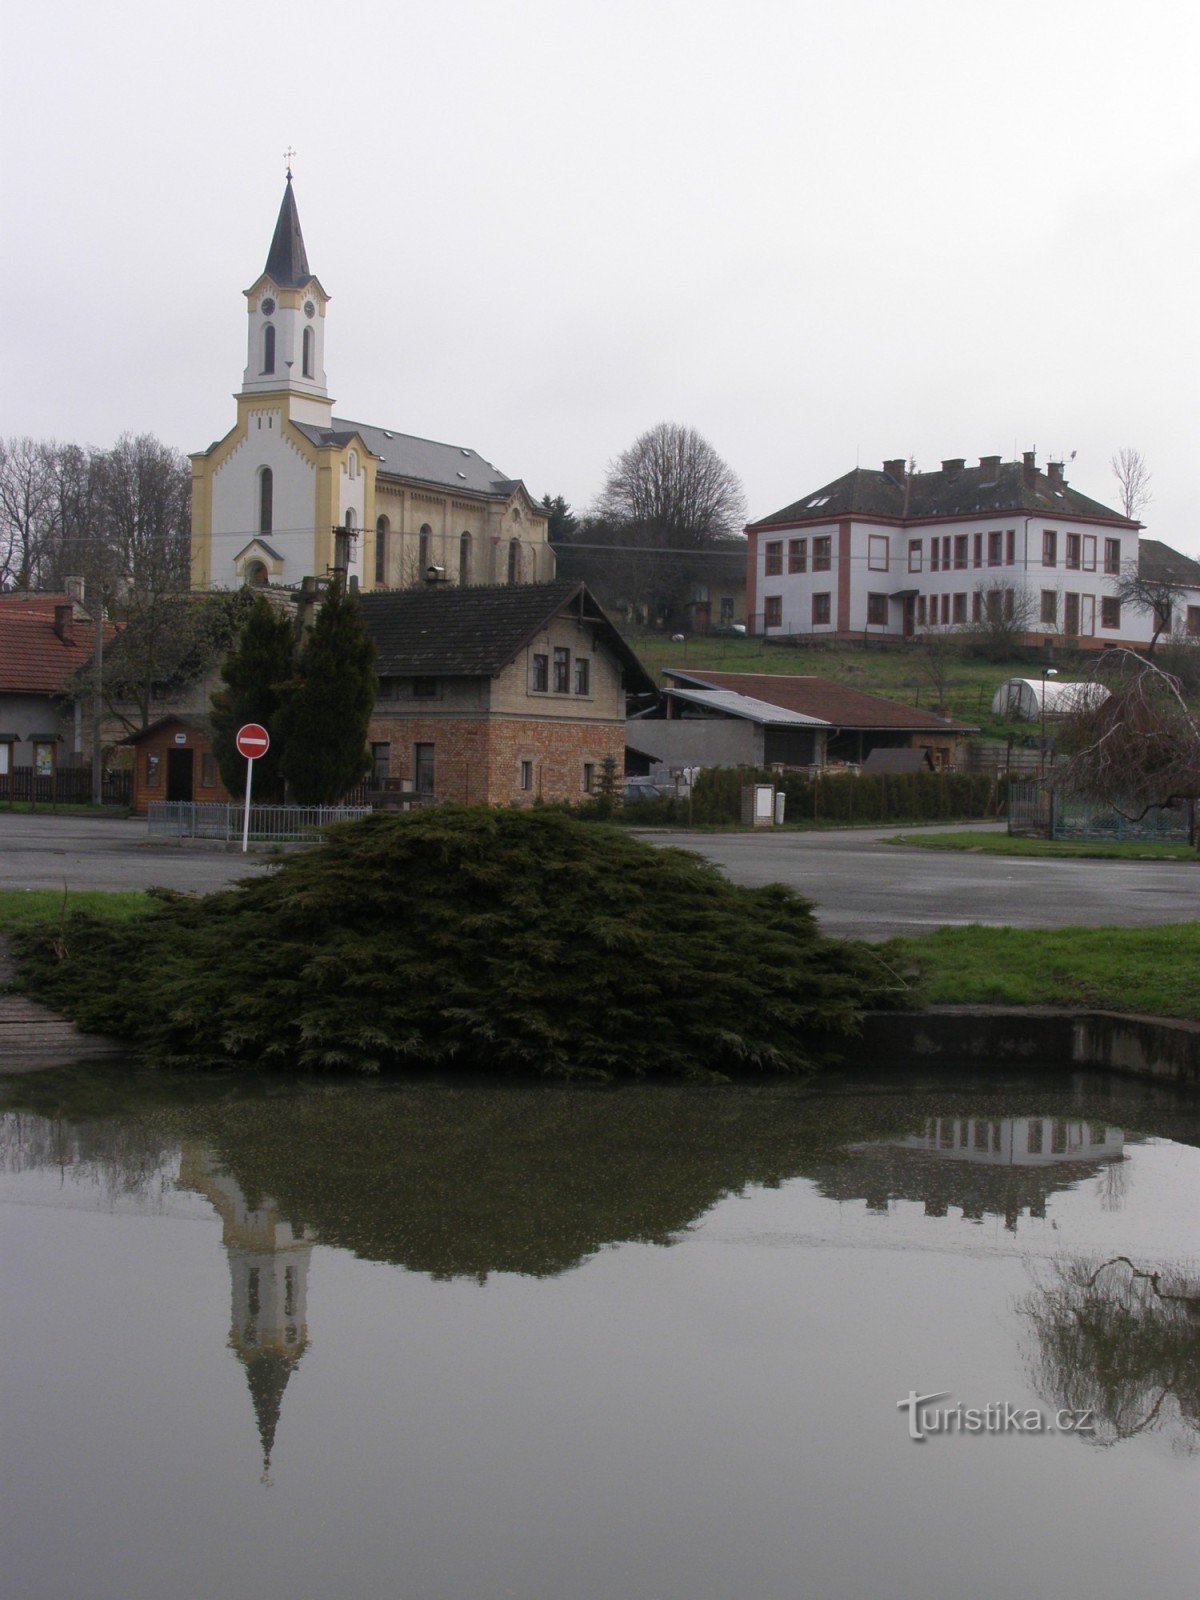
pixel 1165 1049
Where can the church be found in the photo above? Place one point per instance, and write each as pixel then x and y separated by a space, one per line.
pixel 293 491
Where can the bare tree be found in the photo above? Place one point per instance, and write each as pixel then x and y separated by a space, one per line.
pixel 26 502
pixel 1001 617
pixel 1155 588
pixel 1137 749
pixel 1131 472
pixel 671 489
pixel 669 494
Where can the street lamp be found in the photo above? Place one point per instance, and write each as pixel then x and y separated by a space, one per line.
pixel 1047 672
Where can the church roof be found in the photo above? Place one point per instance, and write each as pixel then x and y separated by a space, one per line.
pixel 441 631
pixel 287 260
pixel 404 455
pixel 267 1373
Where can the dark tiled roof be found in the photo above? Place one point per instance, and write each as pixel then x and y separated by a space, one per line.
pixel 1158 563
pixel 962 492
pixel 199 722
pixel 439 631
pixel 287 260
pixel 821 697
pixel 404 455
pixel 33 659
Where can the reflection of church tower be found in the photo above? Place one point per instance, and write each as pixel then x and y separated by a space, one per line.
pixel 268 1264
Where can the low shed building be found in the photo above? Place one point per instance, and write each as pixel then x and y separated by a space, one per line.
pixel 765 719
pixel 173 760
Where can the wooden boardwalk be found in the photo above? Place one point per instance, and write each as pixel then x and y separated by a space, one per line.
pixel 32 1036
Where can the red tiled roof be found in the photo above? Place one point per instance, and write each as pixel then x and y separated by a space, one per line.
pixel 33 659
pixel 821 697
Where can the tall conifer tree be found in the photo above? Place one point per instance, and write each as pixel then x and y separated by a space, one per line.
pixel 256 676
pixel 323 726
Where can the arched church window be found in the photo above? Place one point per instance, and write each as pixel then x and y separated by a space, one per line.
pixel 307 353
pixel 266 496
pixel 256 574
pixel 423 551
pixel 268 348
pixel 381 542
pixel 464 559
pixel 352 464
pixel 514 561
pixel 351 520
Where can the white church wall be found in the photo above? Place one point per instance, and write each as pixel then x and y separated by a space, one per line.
pixel 236 502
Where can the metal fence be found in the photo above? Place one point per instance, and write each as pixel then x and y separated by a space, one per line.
pixel 1035 808
pixel 64 786
pixel 186 819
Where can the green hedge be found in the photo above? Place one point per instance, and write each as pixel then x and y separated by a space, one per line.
pixel 837 797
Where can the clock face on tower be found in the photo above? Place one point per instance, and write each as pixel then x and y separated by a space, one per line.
pixel 267 306
pixel 310 309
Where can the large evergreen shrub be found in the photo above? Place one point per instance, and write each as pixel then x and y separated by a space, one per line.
pixel 493 940
pixel 323 723
pixel 254 681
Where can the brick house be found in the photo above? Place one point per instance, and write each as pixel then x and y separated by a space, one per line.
pixel 902 554
pixel 497 695
pixel 173 760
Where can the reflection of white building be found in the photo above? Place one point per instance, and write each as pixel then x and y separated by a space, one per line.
pixel 268 1266
pixel 1017 1141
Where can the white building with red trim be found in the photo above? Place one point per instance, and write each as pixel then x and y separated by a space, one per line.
pixel 902 553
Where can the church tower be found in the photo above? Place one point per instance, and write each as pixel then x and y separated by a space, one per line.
pixel 286 333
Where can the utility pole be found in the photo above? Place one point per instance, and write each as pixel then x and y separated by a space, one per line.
pixel 97 694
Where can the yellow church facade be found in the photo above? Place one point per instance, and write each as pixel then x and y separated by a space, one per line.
pixel 293 491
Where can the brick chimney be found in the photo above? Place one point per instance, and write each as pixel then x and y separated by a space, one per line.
pixel 1054 471
pixel 954 466
pixel 64 623
pixel 989 467
pixel 895 469
pixel 1029 467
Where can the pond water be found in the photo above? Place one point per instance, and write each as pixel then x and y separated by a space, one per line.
pixel 456 1342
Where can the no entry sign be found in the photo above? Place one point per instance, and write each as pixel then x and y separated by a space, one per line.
pixel 253 741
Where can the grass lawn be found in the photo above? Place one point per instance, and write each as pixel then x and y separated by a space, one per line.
pixel 898 673
pixel 1001 844
pixel 21 908
pixel 46 808
pixel 1153 970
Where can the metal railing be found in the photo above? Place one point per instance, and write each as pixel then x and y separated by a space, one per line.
pixel 1036 808
pixel 189 819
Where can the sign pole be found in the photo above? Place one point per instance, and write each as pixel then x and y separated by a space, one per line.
pixel 246 813
pixel 253 740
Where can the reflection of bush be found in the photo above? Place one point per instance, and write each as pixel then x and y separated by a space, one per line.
pixel 465 1179
pixel 1122 1342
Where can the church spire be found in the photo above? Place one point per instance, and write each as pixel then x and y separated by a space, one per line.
pixel 287 261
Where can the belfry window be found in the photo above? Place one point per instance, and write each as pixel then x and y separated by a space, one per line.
pixel 464 560
pixel 514 561
pixel 266 495
pixel 307 353
pixel 268 348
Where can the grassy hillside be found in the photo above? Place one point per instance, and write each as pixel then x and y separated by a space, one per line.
pixel 901 672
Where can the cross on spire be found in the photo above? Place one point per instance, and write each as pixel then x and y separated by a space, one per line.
pixel 287 156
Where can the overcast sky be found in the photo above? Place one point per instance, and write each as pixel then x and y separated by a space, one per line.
pixel 821 234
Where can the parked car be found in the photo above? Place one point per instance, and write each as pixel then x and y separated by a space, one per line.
pixel 729 630
pixel 637 789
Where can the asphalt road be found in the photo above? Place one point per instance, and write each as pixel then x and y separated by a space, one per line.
pixel 866 889
pixel 862 887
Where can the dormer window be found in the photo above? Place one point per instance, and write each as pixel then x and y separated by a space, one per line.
pixel 268 364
